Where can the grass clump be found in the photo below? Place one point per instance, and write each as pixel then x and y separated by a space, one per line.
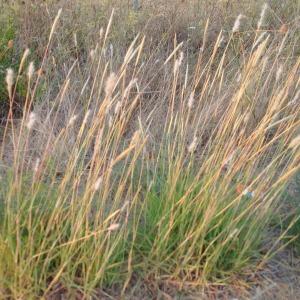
pixel 107 184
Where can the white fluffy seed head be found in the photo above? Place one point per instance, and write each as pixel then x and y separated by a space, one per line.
pixel 111 49
pixel 221 41
pixel 110 121
pixel 107 109
pixel 10 76
pixel 262 16
pixel 24 57
pixel 118 107
pixel 75 40
pixel 191 100
pixel 181 57
pixel 279 73
pixel 110 84
pixel 31 120
pixel 239 77
pixel 30 70
pixel 97 184
pixel 86 116
pixel 192 147
pixel 237 23
pixel 72 120
pixel 92 54
pixel 26 53
pixel 113 227
pixel 178 62
pixel 247 117
pixel 101 33
pixel 36 165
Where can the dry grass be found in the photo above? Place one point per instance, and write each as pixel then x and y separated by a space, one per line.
pixel 161 164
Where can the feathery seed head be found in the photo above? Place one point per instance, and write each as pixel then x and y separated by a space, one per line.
pixel 26 53
pixel 9 80
pixel 31 120
pixel 86 116
pixel 118 107
pixel 247 117
pixel 279 72
pixel 92 54
pixel 178 62
pixel 75 40
pixel 181 55
pixel 192 147
pixel 262 16
pixel 191 100
pixel 237 23
pixel 239 76
pixel 97 184
pixel 24 57
pixel 110 121
pixel 30 70
pixel 36 165
pixel 113 227
pixel 221 41
pixel 55 23
pixel 101 33
pixel 72 120
pixel 110 84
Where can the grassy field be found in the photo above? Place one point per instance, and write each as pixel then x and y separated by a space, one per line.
pixel 149 152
